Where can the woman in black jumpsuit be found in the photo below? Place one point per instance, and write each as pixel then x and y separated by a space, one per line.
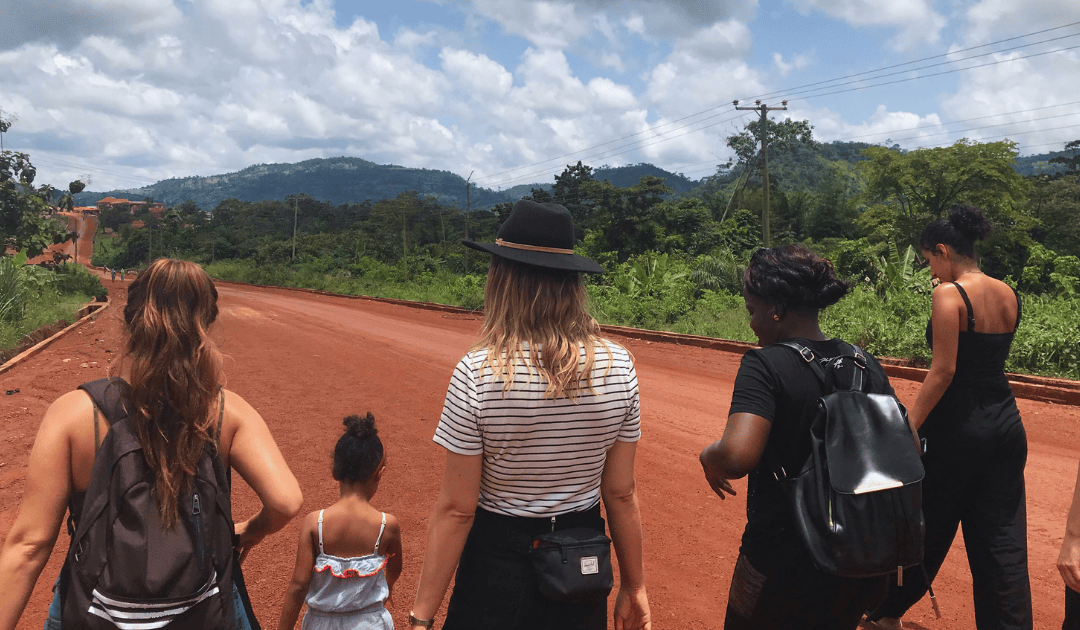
pixel 975 442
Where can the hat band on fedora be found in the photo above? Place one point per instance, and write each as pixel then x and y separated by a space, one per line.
pixel 534 248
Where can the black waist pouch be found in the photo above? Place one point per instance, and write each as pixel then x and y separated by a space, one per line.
pixel 573 565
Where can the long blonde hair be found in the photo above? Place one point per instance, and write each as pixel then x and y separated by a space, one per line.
pixel 548 310
pixel 175 373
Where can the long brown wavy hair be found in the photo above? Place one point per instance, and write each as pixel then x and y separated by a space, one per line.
pixel 548 310
pixel 175 373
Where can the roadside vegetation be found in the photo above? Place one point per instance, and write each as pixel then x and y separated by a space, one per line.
pixel 675 262
pixel 32 297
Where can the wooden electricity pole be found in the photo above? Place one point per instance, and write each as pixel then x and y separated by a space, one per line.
pixel 764 109
pixel 294 215
pixel 468 209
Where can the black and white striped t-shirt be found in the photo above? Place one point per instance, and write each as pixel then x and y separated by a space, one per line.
pixel 542 457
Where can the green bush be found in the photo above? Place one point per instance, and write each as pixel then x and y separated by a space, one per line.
pixel 74 279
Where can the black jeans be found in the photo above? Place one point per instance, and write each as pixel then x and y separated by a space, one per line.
pixel 794 594
pixel 1072 610
pixel 975 478
pixel 494 587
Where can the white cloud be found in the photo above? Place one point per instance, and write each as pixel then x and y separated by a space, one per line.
pixel 989 19
pixel 67 22
pixel 907 129
pixel 798 62
pixel 478 72
pixel 917 20
pixel 1004 94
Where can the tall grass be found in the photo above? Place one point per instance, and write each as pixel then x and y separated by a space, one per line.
pixel 32 297
pixel 886 322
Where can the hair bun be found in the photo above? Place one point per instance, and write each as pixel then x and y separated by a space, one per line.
pixel 969 221
pixel 361 428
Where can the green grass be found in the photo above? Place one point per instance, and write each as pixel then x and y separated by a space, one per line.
pixel 41 312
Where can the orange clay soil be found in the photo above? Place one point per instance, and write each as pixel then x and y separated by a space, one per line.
pixel 305 361
pixel 85 225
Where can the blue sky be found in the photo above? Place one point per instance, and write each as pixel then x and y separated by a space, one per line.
pixel 129 92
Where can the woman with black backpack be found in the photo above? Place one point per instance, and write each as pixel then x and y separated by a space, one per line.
pixel 142 464
pixel 776 584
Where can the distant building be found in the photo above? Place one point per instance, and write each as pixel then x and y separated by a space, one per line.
pixel 157 209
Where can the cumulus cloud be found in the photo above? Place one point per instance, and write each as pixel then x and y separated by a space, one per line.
pixel 66 22
pixel 561 23
pixel 987 19
pixel 907 129
pixel 1023 100
pixel 798 62
pixel 917 20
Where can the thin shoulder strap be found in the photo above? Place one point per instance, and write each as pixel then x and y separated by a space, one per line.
pixel 379 539
pixel 97 431
pixel 320 533
pixel 1019 308
pixel 967 303
pixel 220 417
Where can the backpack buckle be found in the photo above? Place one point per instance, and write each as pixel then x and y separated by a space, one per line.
pixel 806 353
pixel 780 474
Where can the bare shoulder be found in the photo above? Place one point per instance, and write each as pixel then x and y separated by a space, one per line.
pixel 239 411
pixel 946 294
pixel 393 526
pixel 310 523
pixel 73 409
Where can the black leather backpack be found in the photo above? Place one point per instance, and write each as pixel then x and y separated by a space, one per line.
pixel 123 569
pixel 857 502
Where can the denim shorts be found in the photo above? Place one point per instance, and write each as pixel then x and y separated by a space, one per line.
pixel 52 622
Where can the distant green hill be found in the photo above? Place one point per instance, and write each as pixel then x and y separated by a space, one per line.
pixel 344 180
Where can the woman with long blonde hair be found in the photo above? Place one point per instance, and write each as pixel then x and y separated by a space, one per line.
pixel 179 415
pixel 540 423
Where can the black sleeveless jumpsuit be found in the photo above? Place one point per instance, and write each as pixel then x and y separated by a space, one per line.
pixel 976 450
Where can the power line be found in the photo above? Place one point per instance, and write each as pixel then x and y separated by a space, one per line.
pixel 800 89
pixel 851 89
pixel 841 81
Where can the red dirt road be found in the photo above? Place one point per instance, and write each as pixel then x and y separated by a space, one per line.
pixel 85 225
pixel 304 361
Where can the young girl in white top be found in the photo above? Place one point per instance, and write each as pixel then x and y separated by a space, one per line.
pixel 349 554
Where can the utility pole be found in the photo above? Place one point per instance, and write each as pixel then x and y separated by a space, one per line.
pixel 468 207
pixel 764 109
pixel 294 215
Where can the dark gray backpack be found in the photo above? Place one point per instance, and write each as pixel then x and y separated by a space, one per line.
pixel 123 570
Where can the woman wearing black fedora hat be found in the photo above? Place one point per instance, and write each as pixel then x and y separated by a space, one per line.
pixel 540 423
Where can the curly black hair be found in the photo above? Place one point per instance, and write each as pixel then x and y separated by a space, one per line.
pixel 360 451
pixel 964 226
pixel 793 278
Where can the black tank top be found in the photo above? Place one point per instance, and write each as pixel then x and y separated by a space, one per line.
pixel 980 357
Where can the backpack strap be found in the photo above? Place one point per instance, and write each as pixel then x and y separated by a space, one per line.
pixel 857 354
pixel 110 397
pixel 809 358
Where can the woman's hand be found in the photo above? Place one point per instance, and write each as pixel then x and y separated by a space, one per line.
pixel 632 610
pixel 1068 562
pixel 721 486
pixel 737 453
pixel 250 533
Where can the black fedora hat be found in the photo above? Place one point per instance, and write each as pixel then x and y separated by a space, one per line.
pixel 540 234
